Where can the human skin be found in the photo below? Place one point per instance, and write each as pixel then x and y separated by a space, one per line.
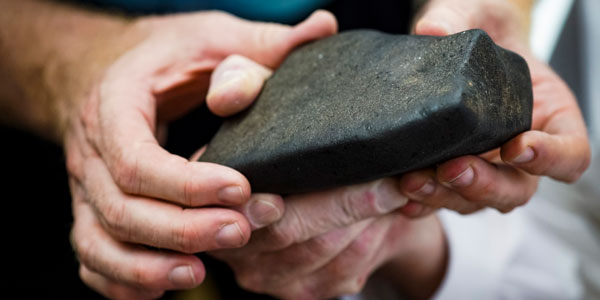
pixel 556 146
pixel 104 87
pixel 294 259
pixel 327 243
pixel 116 104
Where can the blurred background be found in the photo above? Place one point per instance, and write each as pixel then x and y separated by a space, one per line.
pixel 36 249
pixel 566 33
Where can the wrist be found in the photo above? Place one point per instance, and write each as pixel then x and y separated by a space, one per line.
pixel 72 77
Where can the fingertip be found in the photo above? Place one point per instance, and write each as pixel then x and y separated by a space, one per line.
pixel 198 271
pixel 521 149
pixel 458 172
pixel 434 28
pixel 418 185
pixel 263 209
pixel 233 233
pixel 321 21
pixel 319 24
pixel 187 274
pixel 562 157
pixel 235 84
pixel 211 183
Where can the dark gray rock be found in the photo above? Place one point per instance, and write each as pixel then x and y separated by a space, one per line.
pixel 363 105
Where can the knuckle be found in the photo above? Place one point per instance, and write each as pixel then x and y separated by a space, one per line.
pixel 293 229
pixel 265 35
pixel 125 173
pixel 184 237
pixel 113 218
pixel 191 188
pixel 143 276
pixel 85 250
pixel 279 235
pixel 84 275
pixel 321 246
pixel 359 247
pixel 483 191
pixel 88 113
pixel 250 281
pixel 355 205
pixel 73 164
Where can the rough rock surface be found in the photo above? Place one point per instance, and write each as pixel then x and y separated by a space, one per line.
pixel 363 105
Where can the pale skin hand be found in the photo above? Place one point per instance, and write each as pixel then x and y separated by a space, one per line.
pixel 328 243
pixel 309 256
pixel 557 145
pixel 106 88
pixel 115 135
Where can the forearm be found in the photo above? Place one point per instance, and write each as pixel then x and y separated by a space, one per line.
pixel 50 52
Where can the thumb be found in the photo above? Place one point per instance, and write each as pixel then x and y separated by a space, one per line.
pixel 270 43
pixel 443 17
pixel 234 85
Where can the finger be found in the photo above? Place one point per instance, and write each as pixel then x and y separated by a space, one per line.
pixel 132 265
pixel 112 290
pixel 263 210
pixel 562 157
pixel 124 134
pixel 500 186
pixel 270 43
pixel 261 275
pixel 505 22
pixel 158 223
pixel 440 18
pixel 234 85
pixel 348 272
pixel 310 215
pixel 558 146
pixel 427 195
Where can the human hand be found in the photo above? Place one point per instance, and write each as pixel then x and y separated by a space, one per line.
pixel 131 196
pixel 328 243
pixel 557 144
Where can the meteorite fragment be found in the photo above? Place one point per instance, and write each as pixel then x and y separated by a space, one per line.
pixel 362 105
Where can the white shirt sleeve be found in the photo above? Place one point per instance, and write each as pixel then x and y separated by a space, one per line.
pixel 548 249
pixel 496 256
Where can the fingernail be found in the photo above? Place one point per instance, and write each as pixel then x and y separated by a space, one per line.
pixel 262 213
pixel 463 179
pixel 525 156
pixel 389 198
pixel 182 276
pixel 231 195
pixel 435 27
pixel 224 80
pixel 230 235
pixel 445 26
pixel 425 190
pixel 226 77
